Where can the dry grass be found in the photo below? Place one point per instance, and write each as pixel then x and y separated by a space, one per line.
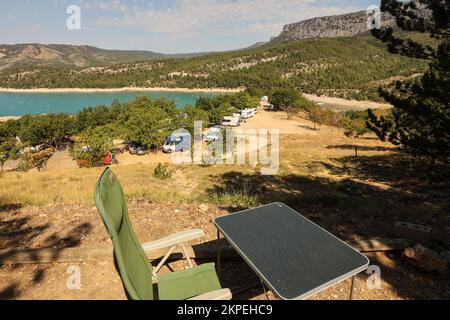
pixel 301 155
pixel 77 185
pixel 314 166
pixel 352 197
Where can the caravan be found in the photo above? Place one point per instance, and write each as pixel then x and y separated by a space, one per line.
pixel 248 113
pixel 177 142
pixel 230 122
pixel 213 134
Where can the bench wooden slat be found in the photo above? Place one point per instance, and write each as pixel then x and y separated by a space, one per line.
pixel 199 251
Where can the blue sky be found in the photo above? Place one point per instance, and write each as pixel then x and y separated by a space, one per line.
pixel 172 26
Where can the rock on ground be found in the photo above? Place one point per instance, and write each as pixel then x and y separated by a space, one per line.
pixel 425 259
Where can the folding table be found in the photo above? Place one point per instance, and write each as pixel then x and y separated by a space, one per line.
pixel 293 256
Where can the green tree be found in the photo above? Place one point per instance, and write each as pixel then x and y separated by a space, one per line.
pixel 188 115
pixel 92 145
pixel 149 121
pixel 243 101
pixel 355 127
pixel 9 129
pixel 101 115
pixel 217 107
pixel 354 123
pixel 290 100
pixel 420 120
pixel 52 129
pixel 317 115
pixel 8 151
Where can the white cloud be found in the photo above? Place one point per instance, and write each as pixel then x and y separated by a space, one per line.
pixel 187 17
pixel 104 5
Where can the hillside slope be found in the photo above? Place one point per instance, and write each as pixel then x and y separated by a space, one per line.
pixel 72 56
pixel 334 66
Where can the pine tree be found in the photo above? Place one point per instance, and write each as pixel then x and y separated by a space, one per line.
pixel 420 120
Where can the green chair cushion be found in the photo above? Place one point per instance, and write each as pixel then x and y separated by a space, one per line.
pixel 188 283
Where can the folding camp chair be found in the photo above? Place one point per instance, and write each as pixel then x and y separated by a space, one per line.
pixel 140 279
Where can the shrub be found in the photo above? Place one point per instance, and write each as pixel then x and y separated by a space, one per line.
pixel 91 146
pixel 162 172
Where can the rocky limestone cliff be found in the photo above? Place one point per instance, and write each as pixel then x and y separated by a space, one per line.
pixel 345 25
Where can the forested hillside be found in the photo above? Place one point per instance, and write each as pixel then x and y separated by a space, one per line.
pixel 72 56
pixel 351 67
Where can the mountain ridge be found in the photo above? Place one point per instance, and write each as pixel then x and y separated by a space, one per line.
pixel 344 25
pixel 74 56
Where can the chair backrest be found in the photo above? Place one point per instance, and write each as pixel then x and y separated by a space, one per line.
pixel 134 266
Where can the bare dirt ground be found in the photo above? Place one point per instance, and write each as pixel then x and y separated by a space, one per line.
pixel 59 226
pixel 278 120
pixel 352 197
pixel 61 160
pixel 339 104
pixel 7 118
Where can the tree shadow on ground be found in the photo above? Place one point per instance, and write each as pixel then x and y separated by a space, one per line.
pixel 413 178
pixel 347 208
pixel 360 148
pixel 306 127
pixel 16 233
pixel 409 282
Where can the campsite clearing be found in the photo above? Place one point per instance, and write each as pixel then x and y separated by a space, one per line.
pixel 352 197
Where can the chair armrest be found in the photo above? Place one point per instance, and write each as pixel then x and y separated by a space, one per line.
pixel 173 240
pixel 222 294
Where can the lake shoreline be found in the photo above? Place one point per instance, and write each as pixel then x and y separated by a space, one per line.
pixel 125 89
pixel 7 118
pixel 19 102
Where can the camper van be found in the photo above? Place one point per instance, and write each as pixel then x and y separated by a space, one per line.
pixel 213 134
pixel 248 113
pixel 177 142
pixel 230 122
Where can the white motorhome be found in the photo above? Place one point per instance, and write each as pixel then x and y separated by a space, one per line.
pixel 230 122
pixel 177 142
pixel 249 113
pixel 212 134
pixel 246 114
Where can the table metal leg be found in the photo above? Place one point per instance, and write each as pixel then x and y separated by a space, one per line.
pixel 352 289
pixel 264 289
pixel 219 248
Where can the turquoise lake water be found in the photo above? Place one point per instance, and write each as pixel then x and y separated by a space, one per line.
pixel 19 104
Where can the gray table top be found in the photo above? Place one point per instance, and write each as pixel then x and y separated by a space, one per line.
pixel 293 256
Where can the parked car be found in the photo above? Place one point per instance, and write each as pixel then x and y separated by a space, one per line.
pixel 132 149
pixel 177 142
pixel 141 151
pixel 136 149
